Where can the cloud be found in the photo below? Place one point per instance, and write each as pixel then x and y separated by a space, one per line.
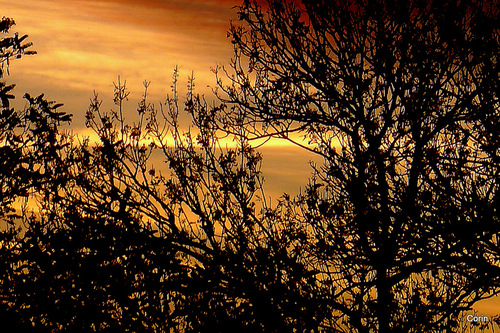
pixel 85 45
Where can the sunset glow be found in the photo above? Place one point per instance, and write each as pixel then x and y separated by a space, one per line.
pixel 287 165
pixel 83 46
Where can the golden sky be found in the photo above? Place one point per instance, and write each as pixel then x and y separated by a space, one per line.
pixel 85 45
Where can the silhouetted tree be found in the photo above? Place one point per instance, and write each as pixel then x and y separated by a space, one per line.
pixel 401 100
pixel 29 163
pixel 10 47
pixel 187 248
pixel 73 257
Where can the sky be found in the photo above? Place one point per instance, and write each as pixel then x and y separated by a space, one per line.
pixel 83 46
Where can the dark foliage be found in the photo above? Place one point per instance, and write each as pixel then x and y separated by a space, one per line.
pixel 400 98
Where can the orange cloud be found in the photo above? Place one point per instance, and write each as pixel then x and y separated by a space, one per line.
pixel 84 45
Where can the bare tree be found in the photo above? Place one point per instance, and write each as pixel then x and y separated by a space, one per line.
pixel 400 98
pixel 133 247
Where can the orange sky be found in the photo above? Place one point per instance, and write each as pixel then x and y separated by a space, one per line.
pixel 84 45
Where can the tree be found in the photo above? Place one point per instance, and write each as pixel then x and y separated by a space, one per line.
pixel 29 163
pixel 10 47
pixel 132 248
pixel 401 100
pixel 119 245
